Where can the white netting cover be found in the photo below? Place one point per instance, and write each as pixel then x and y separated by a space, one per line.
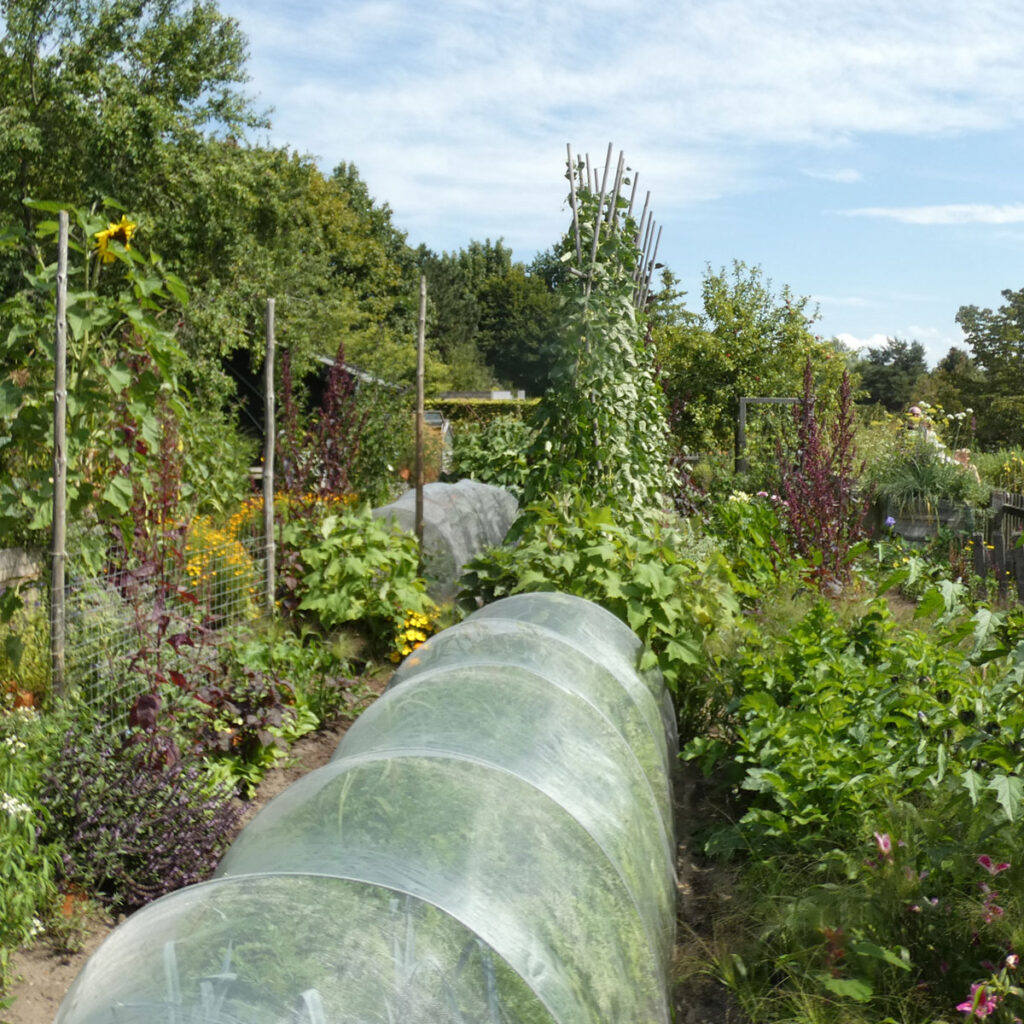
pixel 492 843
pixel 460 521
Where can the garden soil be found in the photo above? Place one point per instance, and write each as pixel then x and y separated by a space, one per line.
pixel 45 972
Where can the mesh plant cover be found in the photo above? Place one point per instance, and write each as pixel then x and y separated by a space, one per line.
pixel 491 843
pixel 459 521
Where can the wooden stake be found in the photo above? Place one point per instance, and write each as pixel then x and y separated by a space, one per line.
pixel 632 195
pixel 268 460
pixel 573 203
pixel 646 289
pixel 597 222
pixel 60 464
pixel 420 349
pixel 613 205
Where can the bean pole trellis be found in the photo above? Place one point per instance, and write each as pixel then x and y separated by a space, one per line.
pixel 612 205
pixel 602 423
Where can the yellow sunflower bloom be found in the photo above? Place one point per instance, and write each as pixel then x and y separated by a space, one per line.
pixel 121 232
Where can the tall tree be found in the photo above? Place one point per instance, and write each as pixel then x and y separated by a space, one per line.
pixel 97 95
pixel 141 101
pixel 956 383
pixel 749 340
pixel 491 319
pixel 996 338
pixel 890 373
pixel 520 320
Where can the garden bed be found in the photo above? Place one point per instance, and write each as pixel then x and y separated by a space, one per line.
pixel 46 971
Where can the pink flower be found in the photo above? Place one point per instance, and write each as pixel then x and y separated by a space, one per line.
pixel 884 844
pixel 993 869
pixel 1012 960
pixel 981 1004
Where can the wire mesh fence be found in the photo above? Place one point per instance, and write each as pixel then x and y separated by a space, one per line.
pixel 160 620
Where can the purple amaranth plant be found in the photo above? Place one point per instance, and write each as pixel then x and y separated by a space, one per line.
pixel 318 460
pixel 824 515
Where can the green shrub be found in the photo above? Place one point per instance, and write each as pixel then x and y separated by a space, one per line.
pixel 671 589
pixel 875 777
pixel 362 570
pixel 318 670
pixel 494 453
pixel 29 866
pixel 750 529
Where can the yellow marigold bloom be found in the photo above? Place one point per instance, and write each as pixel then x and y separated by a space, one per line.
pixel 121 232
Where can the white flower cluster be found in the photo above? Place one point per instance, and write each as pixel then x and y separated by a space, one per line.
pixel 13 806
pixel 924 417
pixel 13 744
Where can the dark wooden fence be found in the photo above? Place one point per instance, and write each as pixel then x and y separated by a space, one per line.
pixel 998 550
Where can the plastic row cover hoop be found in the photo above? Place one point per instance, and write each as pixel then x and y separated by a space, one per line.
pixel 298 949
pixel 616 691
pixel 424 878
pixel 510 802
pixel 459 521
pixel 596 631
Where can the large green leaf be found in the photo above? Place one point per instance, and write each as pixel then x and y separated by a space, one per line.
pixel 1009 790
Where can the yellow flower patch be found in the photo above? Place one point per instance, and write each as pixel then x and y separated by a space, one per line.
pixel 120 232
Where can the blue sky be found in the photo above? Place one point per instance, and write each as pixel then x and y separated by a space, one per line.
pixel 867 153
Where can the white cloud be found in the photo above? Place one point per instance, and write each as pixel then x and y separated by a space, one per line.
pixel 950 213
pixel 936 341
pixel 843 176
pixel 461 110
pixel 873 341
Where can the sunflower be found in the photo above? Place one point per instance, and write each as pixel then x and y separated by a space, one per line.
pixel 121 232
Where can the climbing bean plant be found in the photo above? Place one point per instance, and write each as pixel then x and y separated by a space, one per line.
pixel 602 427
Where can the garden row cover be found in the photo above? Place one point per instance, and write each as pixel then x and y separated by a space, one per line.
pixel 492 843
pixel 460 521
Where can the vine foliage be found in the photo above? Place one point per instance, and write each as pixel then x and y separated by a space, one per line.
pixel 602 431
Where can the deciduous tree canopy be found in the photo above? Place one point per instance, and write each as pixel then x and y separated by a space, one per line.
pixel 889 374
pixel 747 341
pixel 996 338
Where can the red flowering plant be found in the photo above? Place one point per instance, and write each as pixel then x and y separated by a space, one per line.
pixel 824 512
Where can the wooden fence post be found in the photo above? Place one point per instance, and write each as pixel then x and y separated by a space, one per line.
pixel 421 335
pixel 58 558
pixel 999 561
pixel 1017 561
pixel 268 460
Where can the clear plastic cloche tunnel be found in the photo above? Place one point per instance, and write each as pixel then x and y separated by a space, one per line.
pixel 492 843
